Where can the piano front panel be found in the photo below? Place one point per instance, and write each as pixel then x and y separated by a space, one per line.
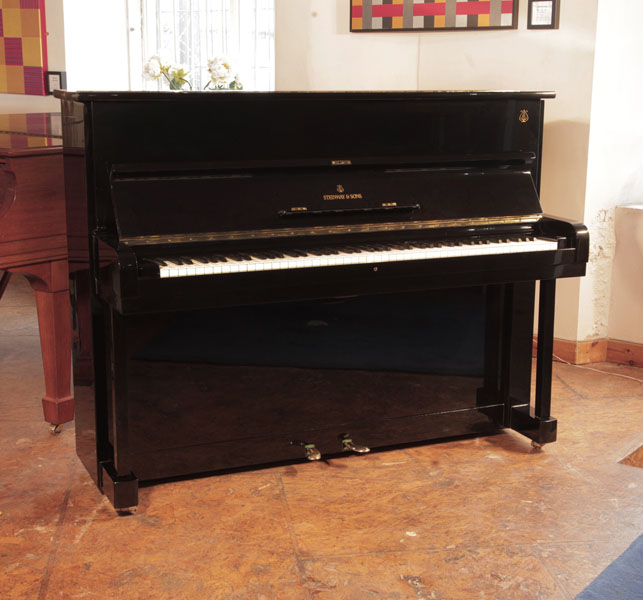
pixel 230 387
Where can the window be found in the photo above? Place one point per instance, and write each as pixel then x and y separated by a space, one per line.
pixel 189 32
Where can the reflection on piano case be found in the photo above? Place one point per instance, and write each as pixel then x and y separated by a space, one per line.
pixel 296 275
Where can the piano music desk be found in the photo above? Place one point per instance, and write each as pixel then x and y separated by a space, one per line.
pixel 33 243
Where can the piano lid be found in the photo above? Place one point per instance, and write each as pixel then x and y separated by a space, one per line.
pixel 188 96
pixel 257 204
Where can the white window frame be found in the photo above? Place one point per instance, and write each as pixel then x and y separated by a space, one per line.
pixel 242 31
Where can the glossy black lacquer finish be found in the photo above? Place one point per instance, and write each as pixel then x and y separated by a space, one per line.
pixel 196 374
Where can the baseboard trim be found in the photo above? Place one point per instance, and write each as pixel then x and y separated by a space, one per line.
pixel 605 350
pixel 627 353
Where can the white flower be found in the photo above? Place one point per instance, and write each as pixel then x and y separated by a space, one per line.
pixel 220 71
pixel 152 68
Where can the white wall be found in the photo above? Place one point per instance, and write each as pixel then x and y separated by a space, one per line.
pixel 316 51
pixel 96 39
pixel 626 307
pixel 20 103
pixel 615 178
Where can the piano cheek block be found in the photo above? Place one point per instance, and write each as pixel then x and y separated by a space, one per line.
pixel 305 296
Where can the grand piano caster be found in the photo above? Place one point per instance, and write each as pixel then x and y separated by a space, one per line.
pixel 347 271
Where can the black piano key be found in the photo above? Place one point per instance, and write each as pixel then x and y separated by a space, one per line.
pixel 158 261
pixel 238 256
pixel 213 258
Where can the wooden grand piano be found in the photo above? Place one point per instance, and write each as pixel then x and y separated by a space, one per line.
pixel 298 275
pixel 33 242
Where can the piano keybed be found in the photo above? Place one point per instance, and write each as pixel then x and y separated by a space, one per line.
pixel 353 254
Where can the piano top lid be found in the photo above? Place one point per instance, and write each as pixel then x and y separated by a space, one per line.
pixel 237 95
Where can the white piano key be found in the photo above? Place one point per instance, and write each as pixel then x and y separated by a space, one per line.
pixel 352 258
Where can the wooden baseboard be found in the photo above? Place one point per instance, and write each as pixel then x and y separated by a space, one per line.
pixel 628 353
pixel 581 353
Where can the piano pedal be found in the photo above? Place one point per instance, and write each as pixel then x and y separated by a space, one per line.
pixel 311 452
pixel 349 446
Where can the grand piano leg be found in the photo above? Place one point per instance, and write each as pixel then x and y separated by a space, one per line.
pixel 50 284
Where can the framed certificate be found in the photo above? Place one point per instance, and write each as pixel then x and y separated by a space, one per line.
pixel 543 14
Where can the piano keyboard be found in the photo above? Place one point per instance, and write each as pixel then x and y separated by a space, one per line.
pixel 273 260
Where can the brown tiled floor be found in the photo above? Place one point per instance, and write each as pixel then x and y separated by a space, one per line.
pixel 477 519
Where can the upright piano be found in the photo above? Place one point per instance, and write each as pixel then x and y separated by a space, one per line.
pixel 291 276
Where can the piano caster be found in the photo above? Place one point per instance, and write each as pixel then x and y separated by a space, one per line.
pixel 536 446
pixel 55 429
pixel 312 453
pixel 126 512
pixel 349 446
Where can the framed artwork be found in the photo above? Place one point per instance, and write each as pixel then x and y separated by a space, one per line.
pixel 433 15
pixel 543 14
pixel 23 47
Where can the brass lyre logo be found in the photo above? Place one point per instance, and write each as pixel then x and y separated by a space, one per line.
pixel 524 115
pixel 340 189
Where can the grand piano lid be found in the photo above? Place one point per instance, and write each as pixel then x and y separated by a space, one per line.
pixel 247 205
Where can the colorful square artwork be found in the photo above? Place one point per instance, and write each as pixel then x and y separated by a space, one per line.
pixel 23 47
pixel 432 15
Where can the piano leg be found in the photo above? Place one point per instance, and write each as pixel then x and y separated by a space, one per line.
pixel 545 347
pixel 50 284
pixel 537 423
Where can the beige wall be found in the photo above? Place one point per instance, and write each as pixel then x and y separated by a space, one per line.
pixel 315 51
pixel 19 103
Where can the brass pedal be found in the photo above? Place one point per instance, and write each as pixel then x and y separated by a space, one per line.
pixel 311 452
pixel 349 446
